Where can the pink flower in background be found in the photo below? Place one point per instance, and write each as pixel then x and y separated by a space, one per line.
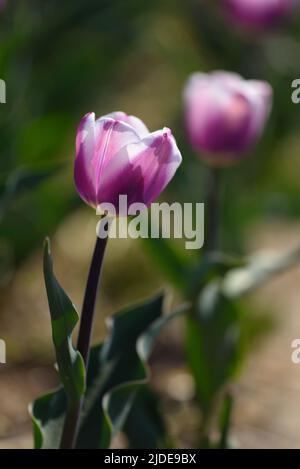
pixel 116 155
pixel 259 14
pixel 225 114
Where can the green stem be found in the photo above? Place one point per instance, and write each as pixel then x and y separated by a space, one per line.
pixel 212 210
pixel 71 424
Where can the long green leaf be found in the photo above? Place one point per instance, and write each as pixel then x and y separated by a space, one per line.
pixel 144 426
pixel 117 371
pixel 225 421
pixel 260 268
pixel 64 318
pixel 212 342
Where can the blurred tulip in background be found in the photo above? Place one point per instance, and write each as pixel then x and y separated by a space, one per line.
pixel 259 14
pixel 225 114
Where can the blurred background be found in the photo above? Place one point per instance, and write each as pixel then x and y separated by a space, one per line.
pixel 61 60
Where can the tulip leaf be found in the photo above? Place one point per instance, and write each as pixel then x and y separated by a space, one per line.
pixel 114 372
pixel 124 397
pixel 213 265
pixel 144 426
pixel 225 421
pixel 48 414
pixel 216 326
pixel 117 370
pixel 259 269
pixel 64 318
pixel 212 342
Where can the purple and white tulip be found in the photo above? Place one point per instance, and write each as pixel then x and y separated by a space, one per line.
pixel 225 114
pixel 116 155
pixel 259 14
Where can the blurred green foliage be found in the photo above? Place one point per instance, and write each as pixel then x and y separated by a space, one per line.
pixel 63 59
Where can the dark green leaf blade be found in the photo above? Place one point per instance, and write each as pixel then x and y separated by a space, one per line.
pixel 212 342
pixel 225 421
pixel 64 318
pixel 124 396
pixel 144 426
pixel 117 371
pixel 47 414
pixel 259 269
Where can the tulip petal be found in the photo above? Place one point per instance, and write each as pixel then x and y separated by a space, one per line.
pixel 258 14
pixel 135 122
pixel 260 96
pixel 96 144
pixel 217 118
pixel 258 93
pixel 83 171
pixel 141 170
pixel 225 114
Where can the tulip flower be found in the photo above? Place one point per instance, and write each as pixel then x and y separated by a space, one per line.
pixel 259 14
pixel 225 114
pixel 116 155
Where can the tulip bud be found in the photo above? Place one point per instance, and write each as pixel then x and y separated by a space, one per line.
pixel 259 14
pixel 225 114
pixel 116 155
